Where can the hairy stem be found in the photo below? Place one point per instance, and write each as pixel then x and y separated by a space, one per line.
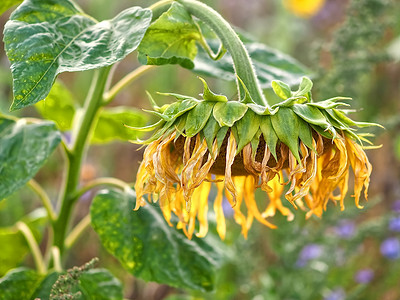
pixel 82 130
pixel 33 245
pixel 241 60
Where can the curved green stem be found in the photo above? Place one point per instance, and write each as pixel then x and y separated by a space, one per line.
pixel 124 82
pixel 105 181
pixel 77 231
pixel 80 135
pixel 37 188
pixel 33 245
pixel 241 60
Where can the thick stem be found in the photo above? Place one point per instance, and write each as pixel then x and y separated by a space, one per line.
pixel 81 133
pixel 241 60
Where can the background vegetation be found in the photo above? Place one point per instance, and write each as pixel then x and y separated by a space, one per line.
pixel 353 49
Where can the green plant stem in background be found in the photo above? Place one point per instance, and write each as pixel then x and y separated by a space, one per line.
pixel 43 197
pixel 77 231
pixel 55 252
pixel 79 141
pixel 242 63
pixel 33 245
pixel 120 85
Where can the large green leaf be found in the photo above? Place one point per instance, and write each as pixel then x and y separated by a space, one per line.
pixel 58 106
pixel 13 244
pixel 148 248
pixel 171 39
pixel 19 284
pixel 25 284
pixel 270 64
pixel 111 124
pixel 24 148
pixel 6 4
pixel 46 37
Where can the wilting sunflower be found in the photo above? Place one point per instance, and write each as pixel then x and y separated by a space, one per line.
pixel 239 146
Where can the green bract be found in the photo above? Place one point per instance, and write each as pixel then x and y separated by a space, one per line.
pixel 289 121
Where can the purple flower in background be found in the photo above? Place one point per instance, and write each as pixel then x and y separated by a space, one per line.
pixel 396 206
pixel 345 229
pixel 309 252
pixel 390 248
pixel 394 224
pixel 364 276
pixel 336 294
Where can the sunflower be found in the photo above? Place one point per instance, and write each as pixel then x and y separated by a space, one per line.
pixel 300 148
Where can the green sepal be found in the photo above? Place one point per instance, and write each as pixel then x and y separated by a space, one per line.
pixel 221 136
pixel 312 115
pixel 324 133
pixel 281 89
pixel 304 87
pixel 178 97
pixel 247 127
pixel 146 128
pixel 198 117
pixel 330 103
pixel 153 102
pixel 270 137
pixel 210 131
pixel 227 113
pixel 179 108
pixel 286 125
pixel 180 127
pixel 340 116
pixel 159 133
pixel 255 142
pixel 262 110
pixel 305 134
pixel 208 95
pixel 289 102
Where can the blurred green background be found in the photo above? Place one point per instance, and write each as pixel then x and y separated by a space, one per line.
pixel 352 48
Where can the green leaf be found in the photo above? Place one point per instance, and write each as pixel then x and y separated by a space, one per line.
pixel 177 109
pixel 198 117
pixel 100 284
pixel 221 136
pixel 171 39
pixel 247 127
pixel 150 249
pixel 281 89
pixel 269 63
pixel 305 133
pixel 19 284
pixel 227 113
pixel 58 106
pixel 47 37
pixel 6 4
pixel 286 125
pixel 111 124
pixel 269 134
pixel 24 148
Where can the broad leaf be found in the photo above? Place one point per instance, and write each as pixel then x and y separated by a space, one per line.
pixel 6 4
pixel 100 284
pixel 150 249
pixel 227 113
pixel 46 37
pixel 19 284
pixel 24 148
pixel 171 39
pixel 270 64
pixel 111 124
pixel 58 106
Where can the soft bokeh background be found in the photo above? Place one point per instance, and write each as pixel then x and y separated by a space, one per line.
pixel 353 49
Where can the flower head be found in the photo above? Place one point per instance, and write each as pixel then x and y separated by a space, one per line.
pixel 364 276
pixel 304 145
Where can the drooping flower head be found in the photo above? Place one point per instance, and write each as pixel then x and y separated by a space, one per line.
pixel 298 149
